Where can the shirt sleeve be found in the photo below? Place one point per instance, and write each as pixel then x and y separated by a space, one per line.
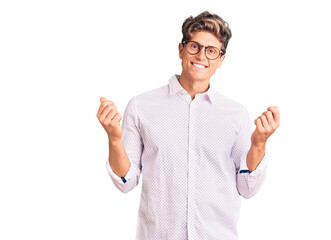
pixel 133 145
pixel 248 183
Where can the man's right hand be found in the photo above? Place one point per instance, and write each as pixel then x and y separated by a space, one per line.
pixel 110 119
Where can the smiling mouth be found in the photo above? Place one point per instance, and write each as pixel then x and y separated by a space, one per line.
pixel 197 65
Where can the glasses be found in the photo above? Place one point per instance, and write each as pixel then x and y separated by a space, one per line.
pixel 194 48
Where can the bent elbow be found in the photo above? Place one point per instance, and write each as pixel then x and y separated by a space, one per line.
pixel 247 194
pixel 125 190
pixel 127 186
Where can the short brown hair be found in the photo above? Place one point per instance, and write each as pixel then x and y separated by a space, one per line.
pixel 208 22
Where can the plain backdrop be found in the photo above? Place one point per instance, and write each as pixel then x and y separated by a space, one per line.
pixel 57 58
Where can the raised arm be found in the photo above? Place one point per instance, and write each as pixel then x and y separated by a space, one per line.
pixel 249 155
pixel 123 173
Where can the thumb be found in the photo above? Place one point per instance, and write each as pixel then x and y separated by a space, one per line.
pixel 102 99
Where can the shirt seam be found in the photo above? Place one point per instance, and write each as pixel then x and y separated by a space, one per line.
pixel 240 122
pixel 135 114
pixel 238 132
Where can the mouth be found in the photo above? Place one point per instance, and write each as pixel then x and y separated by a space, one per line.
pixel 198 65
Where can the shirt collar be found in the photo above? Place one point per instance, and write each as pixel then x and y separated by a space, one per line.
pixel 176 87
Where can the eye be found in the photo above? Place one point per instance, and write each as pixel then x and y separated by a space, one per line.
pixel 212 50
pixel 194 46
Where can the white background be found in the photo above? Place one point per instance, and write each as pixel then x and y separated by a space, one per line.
pixel 57 58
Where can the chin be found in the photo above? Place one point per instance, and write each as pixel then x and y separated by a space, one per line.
pixel 199 77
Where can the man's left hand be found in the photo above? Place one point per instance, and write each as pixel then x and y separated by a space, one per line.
pixel 266 124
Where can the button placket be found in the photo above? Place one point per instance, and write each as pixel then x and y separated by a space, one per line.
pixel 191 169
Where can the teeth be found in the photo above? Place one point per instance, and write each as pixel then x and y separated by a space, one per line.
pixel 198 65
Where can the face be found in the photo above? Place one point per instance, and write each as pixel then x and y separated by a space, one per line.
pixel 198 67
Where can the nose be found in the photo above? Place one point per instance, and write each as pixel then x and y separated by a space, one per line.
pixel 201 54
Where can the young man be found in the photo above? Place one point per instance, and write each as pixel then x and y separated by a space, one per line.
pixel 193 146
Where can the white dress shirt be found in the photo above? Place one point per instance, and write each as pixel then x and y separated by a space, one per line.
pixel 192 158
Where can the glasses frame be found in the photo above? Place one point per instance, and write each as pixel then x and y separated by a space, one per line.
pixel 200 47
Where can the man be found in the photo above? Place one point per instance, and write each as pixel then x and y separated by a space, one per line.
pixel 192 145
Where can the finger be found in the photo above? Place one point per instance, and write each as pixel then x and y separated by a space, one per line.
pixel 259 125
pixel 265 123
pixel 110 115
pixel 275 113
pixel 117 118
pixel 103 105
pixel 102 99
pixel 269 117
pixel 106 111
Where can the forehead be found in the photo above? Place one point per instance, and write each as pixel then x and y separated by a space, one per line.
pixel 206 39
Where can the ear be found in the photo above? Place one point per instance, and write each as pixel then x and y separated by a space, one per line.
pixel 220 61
pixel 180 48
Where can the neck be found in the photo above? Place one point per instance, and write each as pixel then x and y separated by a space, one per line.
pixel 193 86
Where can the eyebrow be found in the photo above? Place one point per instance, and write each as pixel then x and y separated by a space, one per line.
pixel 207 46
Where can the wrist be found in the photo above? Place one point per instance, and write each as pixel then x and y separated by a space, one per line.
pixel 259 145
pixel 114 141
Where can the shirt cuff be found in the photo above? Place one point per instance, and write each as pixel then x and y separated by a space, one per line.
pixel 259 169
pixel 115 178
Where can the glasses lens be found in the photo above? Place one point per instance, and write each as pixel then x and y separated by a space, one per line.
pixel 193 47
pixel 212 52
